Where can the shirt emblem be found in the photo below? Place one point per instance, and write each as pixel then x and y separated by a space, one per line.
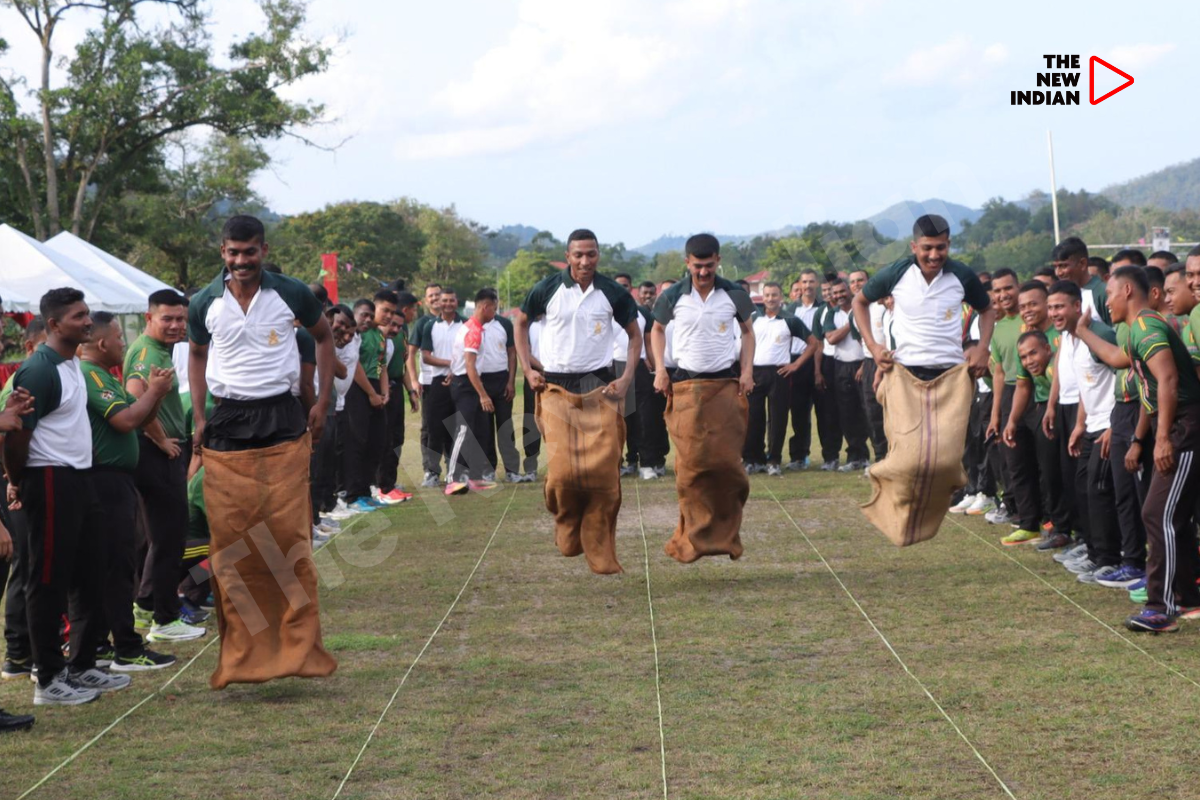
pixel 107 394
pixel 273 338
pixel 722 328
pixel 780 339
pixel 599 329
pixel 949 314
pixel 139 367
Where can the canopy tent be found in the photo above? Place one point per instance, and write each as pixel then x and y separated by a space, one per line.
pixel 106 264
pixel 31 269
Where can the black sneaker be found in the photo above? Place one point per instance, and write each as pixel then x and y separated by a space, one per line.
pixel 1053 541
pixel 143 661
pixel 14 669
pixel 15 722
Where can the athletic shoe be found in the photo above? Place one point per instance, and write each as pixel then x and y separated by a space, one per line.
pixel 753 469
pixel 327 528
pixel 1080 567
pixel 481 486
pixel 192 615
pixel 489 477
pixel 15 722
pixel 142 662
pixel 141 617
pixel 456 487
pixel 648 474
pixel 398 494
pixel 16 669
pixel 961 506
pixel 1139 595
pixel 339 514
pixel 1189 612
pixel 1097 575
pixel 796 466
pixel 998 516
pixel 1020 537
pixel 829 466
pixel 430 481
pixel 384 500
pixel 628 470
pixel 529 477
pixel 62 691
pixel 362 506
pixel 100 680
pixel 1054 541
pixel 513 477
pixel 105 655
pixel 982 505
pixel 854 466
pixel 1152 622
pixel 319 538
pixel 1123 578
pixel 774 469
pixel 660 472
pixel 210 603
pixel 1071 554
pixel 177 631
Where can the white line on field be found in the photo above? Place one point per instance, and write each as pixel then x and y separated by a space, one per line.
pixel 662 746
pixel 1066 597
pixel 512 495
pixel 891 649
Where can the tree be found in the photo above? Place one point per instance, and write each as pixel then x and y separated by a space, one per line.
pixel 525 270
pixel 1000 221
pixel 129 87
pixel 454 253
pixel 670 265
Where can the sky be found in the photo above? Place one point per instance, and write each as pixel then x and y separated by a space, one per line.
pixel 639 118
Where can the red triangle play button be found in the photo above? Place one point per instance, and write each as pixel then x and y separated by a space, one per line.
pixel 1092 80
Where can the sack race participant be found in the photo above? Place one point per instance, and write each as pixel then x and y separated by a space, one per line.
pixel 706 401
pixel 578 399
pixel 927 403
pixel 256 455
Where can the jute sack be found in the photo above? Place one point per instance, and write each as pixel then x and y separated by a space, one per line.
pixel 926 427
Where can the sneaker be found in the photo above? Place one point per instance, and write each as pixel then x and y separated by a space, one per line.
pixel 481 486
pixel 1139 595
pixel 326 529
pixel 339 514
pixel 1054 541
pixel 660 472
pixel 14 669
pixel 177 631
pixel 192 615
pixel 529 477
pixel 363 506
pixel 1020 537
pixel 15 722
pixel 1151 621
pixel 100 681
pixel 105 655
pixel 391 498
pixel 513 477
pixel 1123 577
pixel 796 466
pixel 141 617
pixel 753 469
pixel 829 466
pixel 62 691
pixel 1071 554
pixel 647 474
pixel 319 538
pixel 998 516
pixel 489 477
pixel 628 470
pixel 210 603
pixel 982 505
pixel 1080 567
pixel 967 501
pixel 1189 612
pixel 854 466
pixel 1097 575
pixel 430 481
pixel 143 661
pixel 774 469
pixel 456 487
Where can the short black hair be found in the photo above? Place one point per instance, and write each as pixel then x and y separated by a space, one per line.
pixel 429 286
pixel 772 284
pixel 863 271
pixel 1194 252
pixel 35 328
pixel 1131 255
pixel 1005 272
pixel 449 290
pixel 387 296
pixel 624 275
pixel 1134 275
pixel 647 285
pixel 702 245
pixel 1100 264
pixel 809 271
pixel 984 275
pixel 272 267
pixel 56 301
pixel 320 292
pixel 334 310
pixel 243 228
pixel 405 299
pixel 1069 288
pixel 362 301
pixel 837 281
pixel 1039 335
pixel 1069 248
pixel 1046 271
pixel 1034 286
pixel 1165 255
pixel 931 225
pixel 582 235
pixel 1155 277
pixel 102 319
pixel 166 297
pixel 1176 269
pixel 485 294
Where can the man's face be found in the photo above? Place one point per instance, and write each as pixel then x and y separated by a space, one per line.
pixel 1032 308
pixel 796 293
pixel 825 290
pixel 74 327
pixel 1063 311
pixel 343 331
pixel 1180 300
pixel 1159 262
pixel 582 259
pixel 772 299
pixel 1045 280
pixel 646 295
pixel 703 271
pixel 364 317
pixel 931 252
pixel 1094 272
pixel 1073 269
pixel 857 279
pixel 110 339
pixel 407 315
pixel 839 295
pixel 625 282
pixel 1035 356
pixel 449 304
pixel 1118 299
pixel 1005 289
pixel 1192 269
pixel 244 259
pixel 431 299
pixel 485 310
pixel 808 286
pixel 167 324
pixel 384 311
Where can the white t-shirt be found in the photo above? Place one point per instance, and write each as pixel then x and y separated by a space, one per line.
pixel 61 438
pixel 772 340
pixel 438 339
pixel 348 355
pixel 805 314
pixel 535 338
pixel 705 336
pixel 849 348
pixel 493 355
pixel 1094 382
pixel 578 333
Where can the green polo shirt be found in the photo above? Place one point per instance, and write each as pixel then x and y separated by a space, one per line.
pixel 107 397
pixel 1126 384
pixel 147 352
pixel 395 368
pixel 1004 347
pixel 371 352
pixel 197 512
pixel 1099 292
pixel 1041 383
pixel 1149 335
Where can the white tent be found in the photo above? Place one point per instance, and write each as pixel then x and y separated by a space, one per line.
pixel 106 264
pixel 29 269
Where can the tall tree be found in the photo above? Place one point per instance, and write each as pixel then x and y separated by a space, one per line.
pixel 526 269
pixel 454 252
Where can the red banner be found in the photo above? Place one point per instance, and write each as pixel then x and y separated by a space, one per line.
pixel 329 262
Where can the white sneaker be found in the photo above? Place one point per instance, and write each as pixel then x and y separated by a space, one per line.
pixel 489 477
pixel 981 506
pixel 328 525
pixel 100 681
pixel 998 516
pixel 647 473
pixel 967 501
pixel 774 469
pixel 62 691
pixel 375 492
pixel 430 481
pixel 177 631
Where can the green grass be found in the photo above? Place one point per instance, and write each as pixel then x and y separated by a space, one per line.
pixel 541 683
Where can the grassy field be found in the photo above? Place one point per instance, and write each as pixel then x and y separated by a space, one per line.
pixel 826 663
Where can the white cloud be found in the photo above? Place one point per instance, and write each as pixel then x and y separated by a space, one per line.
pixel 957 61
pixel 1136 56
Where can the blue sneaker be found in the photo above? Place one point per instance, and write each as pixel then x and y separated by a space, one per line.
pixel 1125 577
pixel 1150 621
pixel 362 505
pixel 1140 586
pixel 190 614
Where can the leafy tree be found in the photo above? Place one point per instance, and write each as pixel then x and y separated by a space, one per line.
pixel 1073 208
pixel 525 270
pixel 670 265
pixel 1000 220
pixel 453 252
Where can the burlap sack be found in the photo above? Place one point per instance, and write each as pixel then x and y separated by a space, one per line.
pixel 264 578
pixel 707 422
pixel 583 435
pixel 926 427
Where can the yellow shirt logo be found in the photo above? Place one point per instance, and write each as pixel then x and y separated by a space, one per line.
pixel 273 338
pixel 722 328
pixel 949 314
pixel 599 329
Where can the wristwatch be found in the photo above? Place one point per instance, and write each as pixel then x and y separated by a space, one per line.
pixel 1139 442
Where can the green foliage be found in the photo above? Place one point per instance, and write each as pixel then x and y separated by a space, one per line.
pixel 1001 220
pixel 1176 188
pixel 526 269
pixel 453 251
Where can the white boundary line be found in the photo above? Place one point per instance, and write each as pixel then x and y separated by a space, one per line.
pixel 891 649
pixel 1070 600
pixel 662 746
pixel 512 495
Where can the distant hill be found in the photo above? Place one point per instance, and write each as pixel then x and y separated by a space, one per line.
pixel 670 242
pixel 896 221
pixel 1175 188
pixel 523 234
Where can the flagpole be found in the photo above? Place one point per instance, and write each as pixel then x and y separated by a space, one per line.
pixel 1053 185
